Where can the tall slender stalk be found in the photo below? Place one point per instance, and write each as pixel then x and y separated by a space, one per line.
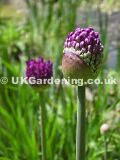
pixel 42 126
pixel 105 145
pixel 80 130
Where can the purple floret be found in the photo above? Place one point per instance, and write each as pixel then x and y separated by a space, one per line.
pixel 84 39
pixel 39 69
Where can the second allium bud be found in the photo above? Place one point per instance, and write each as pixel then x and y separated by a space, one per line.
pixel 40 70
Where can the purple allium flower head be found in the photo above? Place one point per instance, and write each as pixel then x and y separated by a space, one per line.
pixel 83 44
pixel 39 69
pixel 87 36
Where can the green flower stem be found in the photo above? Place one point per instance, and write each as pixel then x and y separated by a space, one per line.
pixel 106 147
pixel 42 125
pixel 80 130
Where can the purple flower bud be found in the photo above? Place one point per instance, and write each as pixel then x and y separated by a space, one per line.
pixel 92 33
pixel 86 41
pixel 98 42
pixel 90 49
pixel 73 43
pixel 67 40
pixel 91 40
pixel 65 44
pixel 70 34
pixel 83 34
pixel 77 38
pixel 77 33
pixel 39 69
pixel 91 29
pixel 77 46
pixel 88 30
pixel 83 45
pixel 69 44
pixel 73 37
pixel 96 35
pixel 85 37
